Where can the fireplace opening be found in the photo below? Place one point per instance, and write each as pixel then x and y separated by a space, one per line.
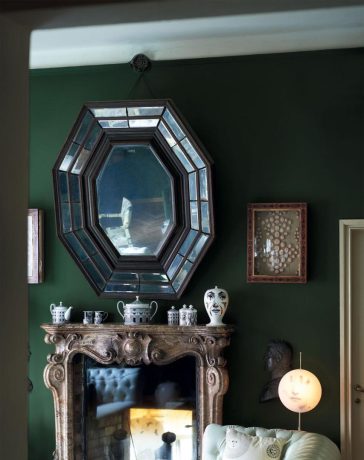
pixel 144 412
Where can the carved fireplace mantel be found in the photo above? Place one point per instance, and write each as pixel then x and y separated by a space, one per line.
pixel 133 345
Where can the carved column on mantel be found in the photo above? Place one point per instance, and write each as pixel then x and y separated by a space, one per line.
pixel 133 345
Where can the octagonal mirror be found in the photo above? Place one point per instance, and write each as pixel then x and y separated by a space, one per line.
pixel 133 198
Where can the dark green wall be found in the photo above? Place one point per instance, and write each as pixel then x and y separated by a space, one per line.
pixel 280 128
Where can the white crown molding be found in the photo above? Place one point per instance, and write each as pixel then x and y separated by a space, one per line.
pixel 199 37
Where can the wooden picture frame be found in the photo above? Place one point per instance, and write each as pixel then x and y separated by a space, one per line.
pixel 35 246
pixel 277 243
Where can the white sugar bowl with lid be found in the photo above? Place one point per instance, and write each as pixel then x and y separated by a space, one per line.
pixel 137 312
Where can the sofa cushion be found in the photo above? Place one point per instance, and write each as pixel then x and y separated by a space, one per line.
pixel 112 389
pixel 241 446
pixel 298 445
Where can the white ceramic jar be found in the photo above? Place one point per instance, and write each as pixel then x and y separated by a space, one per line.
pixel 216 302
pixel 183 315
pixel 191 316
pixel 173 316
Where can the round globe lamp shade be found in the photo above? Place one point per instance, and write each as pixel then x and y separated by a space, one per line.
pixel 299 390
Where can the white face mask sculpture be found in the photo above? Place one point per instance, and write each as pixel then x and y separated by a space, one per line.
pixel 216 302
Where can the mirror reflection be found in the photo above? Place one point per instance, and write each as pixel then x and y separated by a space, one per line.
pixel 135 199
pixel 145 412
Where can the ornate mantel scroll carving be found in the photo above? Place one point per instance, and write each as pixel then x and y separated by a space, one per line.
pixel 134 345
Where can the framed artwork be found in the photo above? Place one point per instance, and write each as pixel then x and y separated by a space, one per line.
pixel 277 242
pixel 35 246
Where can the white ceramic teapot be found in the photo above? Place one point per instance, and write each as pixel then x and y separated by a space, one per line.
pixel 137 312
pixel 60 313
pixel 216 302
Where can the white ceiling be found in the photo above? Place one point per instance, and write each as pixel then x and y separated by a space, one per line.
pixel 196 37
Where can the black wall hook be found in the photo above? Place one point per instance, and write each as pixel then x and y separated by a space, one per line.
pixel 140 63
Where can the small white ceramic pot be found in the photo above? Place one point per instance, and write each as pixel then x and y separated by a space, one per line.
pixel 173 316
pixel 191 316
pixel 183 315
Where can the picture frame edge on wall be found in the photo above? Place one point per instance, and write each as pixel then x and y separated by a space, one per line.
pixel 35 246
pixel 300 258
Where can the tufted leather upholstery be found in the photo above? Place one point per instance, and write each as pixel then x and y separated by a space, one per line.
pixel 114 388
pixel 301 445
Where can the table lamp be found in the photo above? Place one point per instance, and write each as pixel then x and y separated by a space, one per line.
pixel 300 391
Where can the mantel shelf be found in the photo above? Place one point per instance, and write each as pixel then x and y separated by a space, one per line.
pixel 147 328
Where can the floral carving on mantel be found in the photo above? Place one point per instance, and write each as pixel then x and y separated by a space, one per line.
pixel 135 345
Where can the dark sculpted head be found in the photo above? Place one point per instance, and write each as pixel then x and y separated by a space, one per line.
pixel 278 356
pixel 278 361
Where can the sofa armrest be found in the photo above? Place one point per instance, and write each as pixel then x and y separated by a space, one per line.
pixel 213 439
pixel 312 446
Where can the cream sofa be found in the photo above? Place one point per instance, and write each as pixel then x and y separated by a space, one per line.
pixel 300 445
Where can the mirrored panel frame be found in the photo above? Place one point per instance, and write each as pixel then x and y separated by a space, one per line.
pixel 158 126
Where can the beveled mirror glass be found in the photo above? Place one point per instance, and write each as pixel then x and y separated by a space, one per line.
pixel 133 198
